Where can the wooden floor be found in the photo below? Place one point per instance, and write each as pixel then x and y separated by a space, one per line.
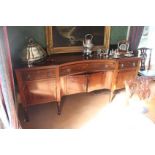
pixel 77 110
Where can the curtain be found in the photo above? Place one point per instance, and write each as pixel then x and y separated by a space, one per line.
pixel 8 114
pixel 135 36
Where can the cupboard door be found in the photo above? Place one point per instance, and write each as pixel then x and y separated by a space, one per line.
pixel 76 84
pixel 95 81
pixel 41 91
pixel 124 75
pixel 101 80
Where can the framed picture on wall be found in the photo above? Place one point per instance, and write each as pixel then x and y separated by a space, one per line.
pixel 66 39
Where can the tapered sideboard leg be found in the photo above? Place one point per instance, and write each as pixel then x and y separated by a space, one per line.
pixel 111 96
pixel 58 108
pixel 26 116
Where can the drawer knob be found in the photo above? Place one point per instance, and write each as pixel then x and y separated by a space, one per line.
pixel 28 76
pixel 122 65
pixel 68 70
pixel 48 74
pixel 106 66
pixel 134 64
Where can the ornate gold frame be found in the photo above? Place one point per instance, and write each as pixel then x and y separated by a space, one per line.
pixel 52 50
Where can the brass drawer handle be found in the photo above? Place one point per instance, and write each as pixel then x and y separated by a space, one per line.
pixel 133 64
pixel 48 74
pixel 38 72
pixel 106 66
pixel 122 65
pixel 68 70
pixel 28 77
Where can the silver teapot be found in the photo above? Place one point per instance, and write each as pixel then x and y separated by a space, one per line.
pixel 87 44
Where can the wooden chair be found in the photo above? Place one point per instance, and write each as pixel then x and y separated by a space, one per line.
pixel 138 86
pixel 138 93
pixel 145 67
pixel 123 46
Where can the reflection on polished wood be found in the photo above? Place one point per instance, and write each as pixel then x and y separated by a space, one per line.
pixel 67 74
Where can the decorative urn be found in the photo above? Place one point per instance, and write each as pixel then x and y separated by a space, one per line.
pixel 33 53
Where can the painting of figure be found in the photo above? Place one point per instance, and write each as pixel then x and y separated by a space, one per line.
pixel 69 36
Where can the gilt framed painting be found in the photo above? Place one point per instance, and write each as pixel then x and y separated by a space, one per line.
pixel 69 39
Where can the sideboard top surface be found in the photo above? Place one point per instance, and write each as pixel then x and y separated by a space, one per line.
pixel 61 59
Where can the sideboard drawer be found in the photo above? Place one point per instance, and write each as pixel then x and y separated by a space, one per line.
pixel 128 64
pixel 38 74
pixel 86 67
pixel 100 66
pixel 73 69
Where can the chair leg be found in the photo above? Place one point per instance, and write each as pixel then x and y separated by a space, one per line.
pixel 26 116
pixel 58 108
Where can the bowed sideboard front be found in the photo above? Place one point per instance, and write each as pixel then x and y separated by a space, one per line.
pixel 43 84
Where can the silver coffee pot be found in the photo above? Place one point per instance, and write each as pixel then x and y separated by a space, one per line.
pixel 87 44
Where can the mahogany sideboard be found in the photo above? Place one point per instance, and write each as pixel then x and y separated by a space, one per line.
pixel 65 74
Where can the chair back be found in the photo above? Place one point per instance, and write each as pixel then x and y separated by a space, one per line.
pixel 145 54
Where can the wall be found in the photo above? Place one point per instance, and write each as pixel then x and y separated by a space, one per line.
pixel 18 37
pixel 118 33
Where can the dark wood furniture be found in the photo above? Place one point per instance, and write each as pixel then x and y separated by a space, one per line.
pixel 138 86
pixel 65 74
pixel 145 54
pixel 145 65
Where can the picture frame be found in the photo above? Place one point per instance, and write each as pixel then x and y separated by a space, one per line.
pixel 56 38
